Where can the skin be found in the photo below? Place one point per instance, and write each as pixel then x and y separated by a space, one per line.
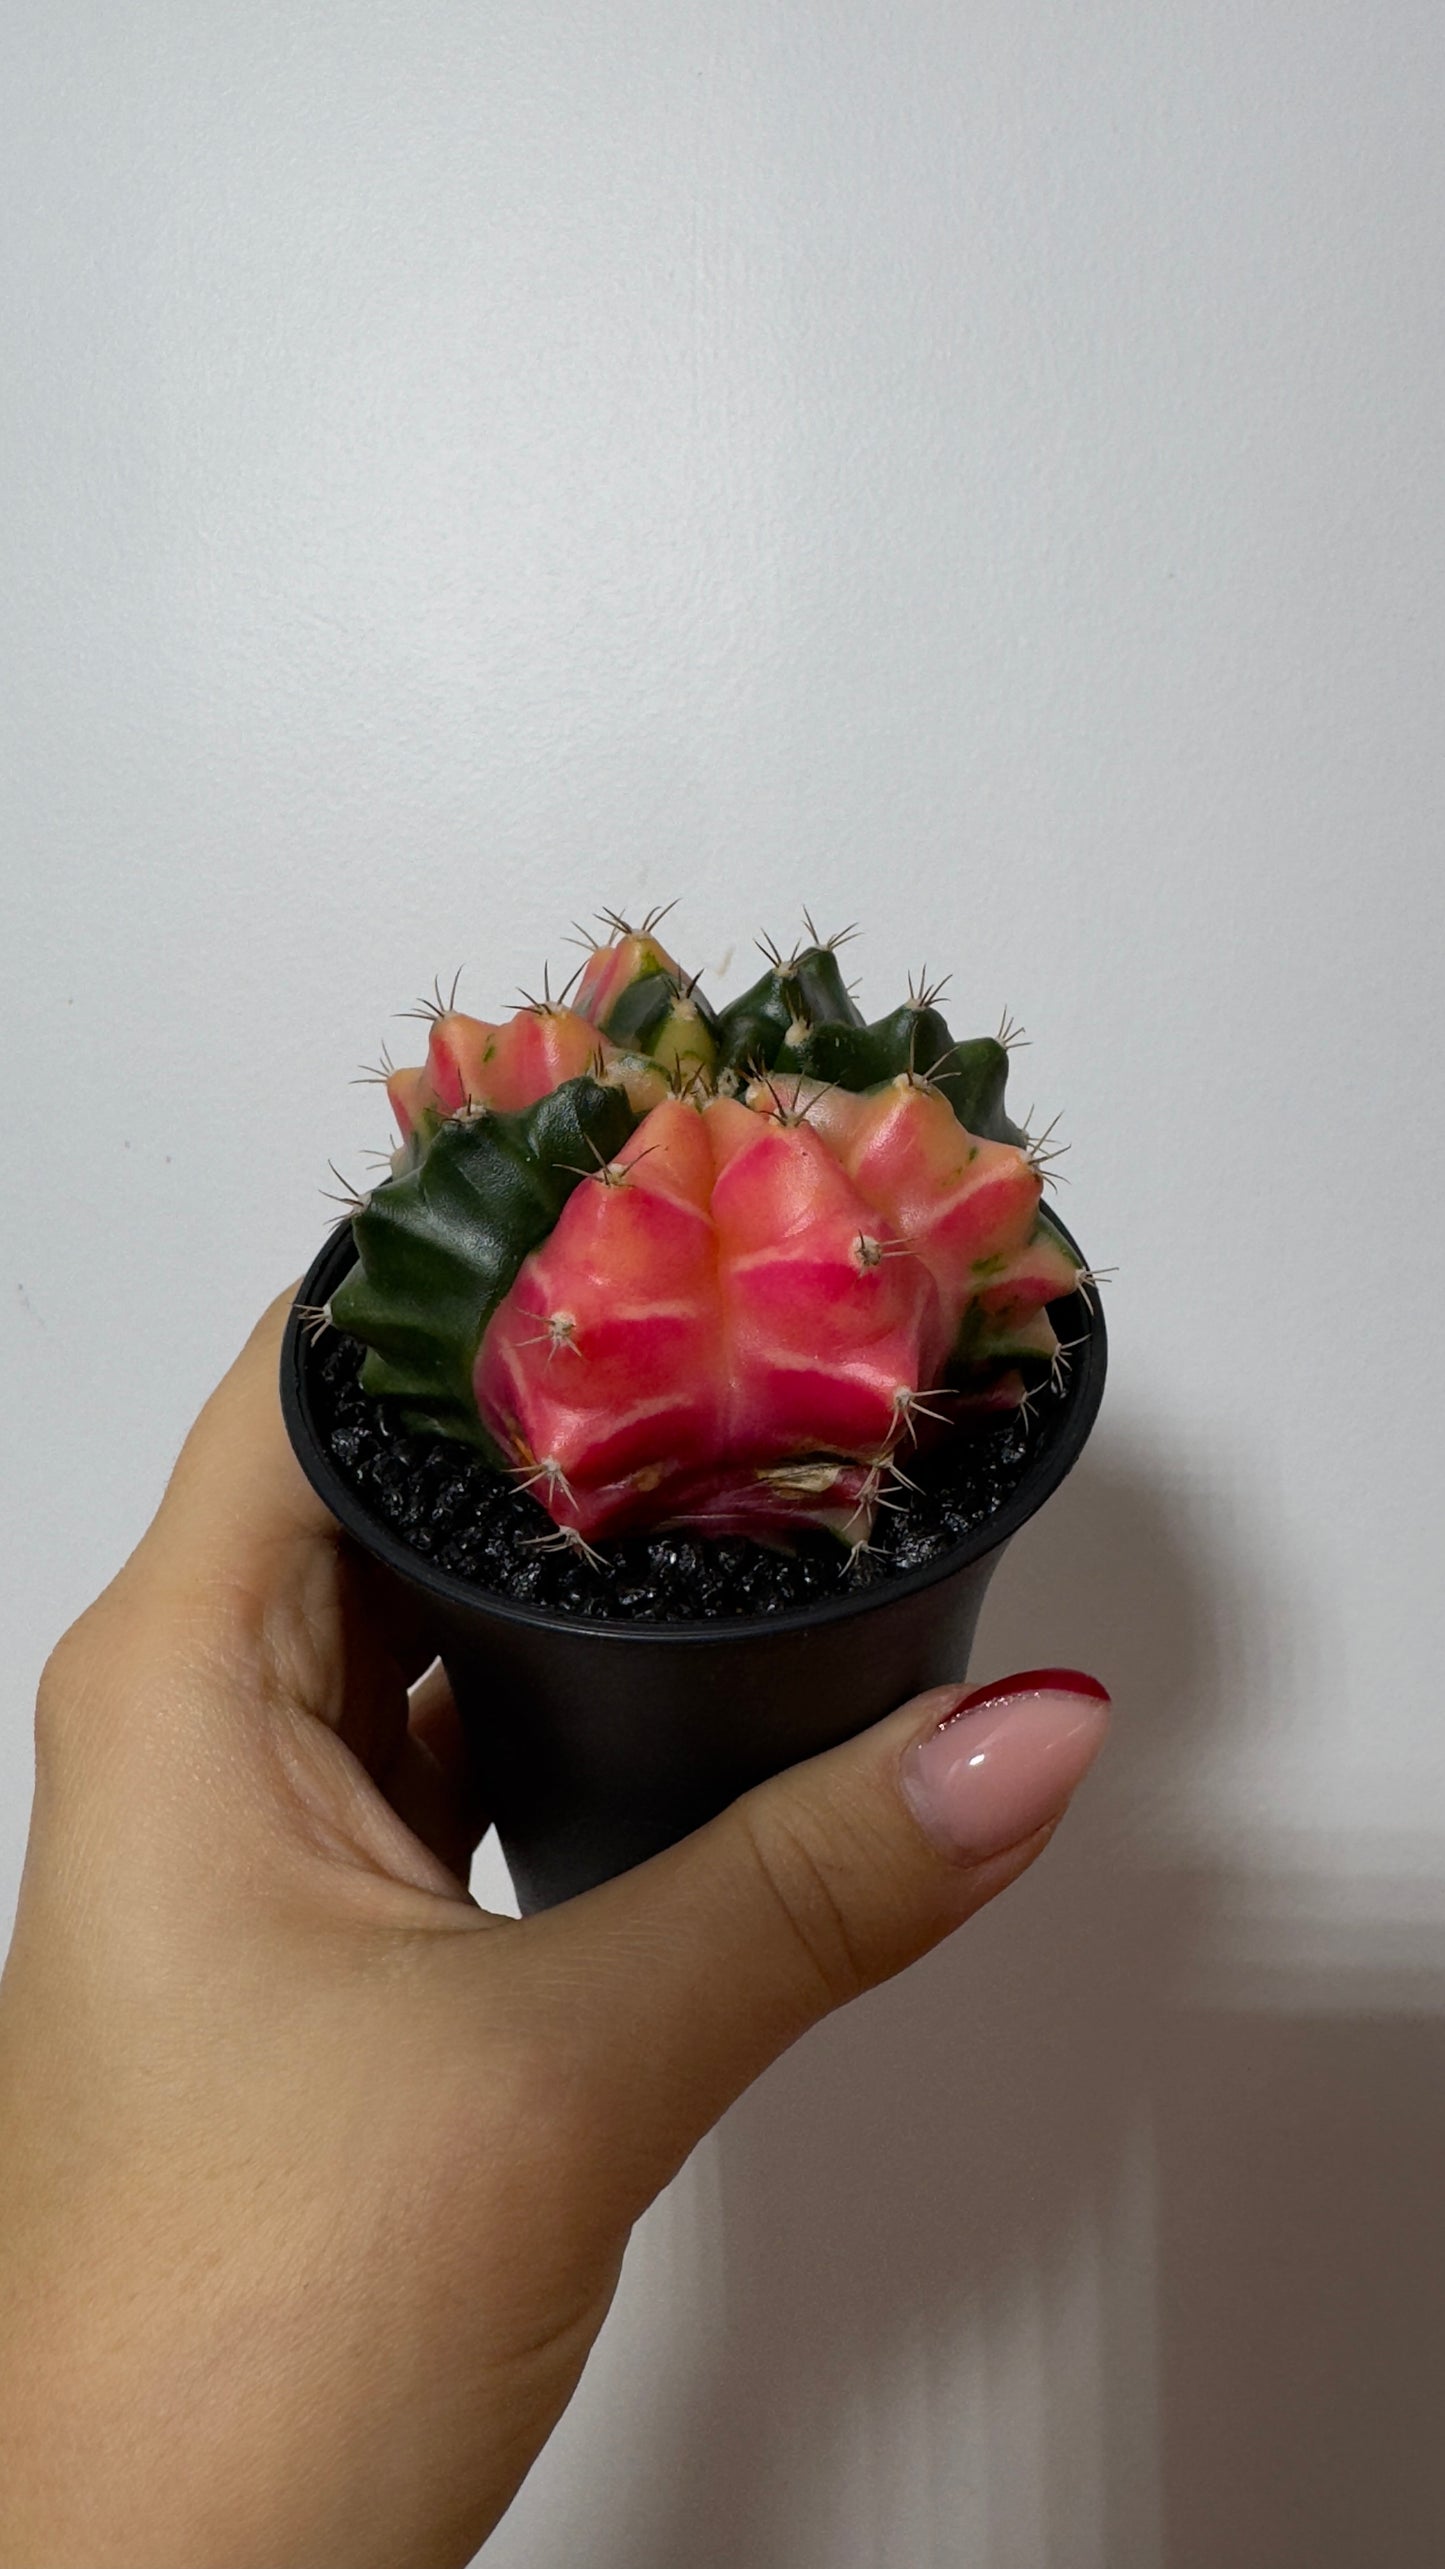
pixel 315 2179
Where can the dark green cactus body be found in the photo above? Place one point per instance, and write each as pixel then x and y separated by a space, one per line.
pixel 912 1038
pixel 845 1056
pixel 816 976
pixel 859 1056
pixel 973 1077
pixel 438 1246
pixel 809 992
pixel 751 1029
pixel 800 1018
pixel 641 1011
pixel 646 1015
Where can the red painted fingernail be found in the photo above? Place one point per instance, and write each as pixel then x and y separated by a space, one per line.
pixel 1033 1681
pixel 1005 1760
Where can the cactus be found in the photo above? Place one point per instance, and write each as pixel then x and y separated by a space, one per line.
pixel 440 1246
pixel 473 1068
pixel 800 1017
pixel 641 1001
pixel 712 1270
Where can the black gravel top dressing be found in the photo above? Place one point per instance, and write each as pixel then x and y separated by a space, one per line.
pixel 449 1506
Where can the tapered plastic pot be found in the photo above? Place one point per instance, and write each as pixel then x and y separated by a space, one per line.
pixel 598 1744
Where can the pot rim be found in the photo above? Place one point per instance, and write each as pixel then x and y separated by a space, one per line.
pixel 1052 1464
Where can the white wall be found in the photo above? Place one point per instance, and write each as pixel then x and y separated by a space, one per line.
pixel 977 468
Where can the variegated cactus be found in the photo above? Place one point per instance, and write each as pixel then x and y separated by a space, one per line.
pixel 711 1269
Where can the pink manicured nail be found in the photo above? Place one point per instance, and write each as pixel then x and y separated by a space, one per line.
pixel 1005 1759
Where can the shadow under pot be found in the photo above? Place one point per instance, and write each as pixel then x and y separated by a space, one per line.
pixel 597 1743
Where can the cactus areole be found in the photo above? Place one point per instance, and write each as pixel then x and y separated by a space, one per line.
pixel 720 1269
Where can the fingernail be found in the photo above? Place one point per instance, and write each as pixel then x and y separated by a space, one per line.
pixel 1005 1760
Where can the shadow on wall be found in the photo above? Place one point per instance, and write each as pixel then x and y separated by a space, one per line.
pixel 1037 2175
pixel 1302 2261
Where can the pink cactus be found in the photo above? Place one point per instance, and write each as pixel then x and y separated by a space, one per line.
pixel 472 1067
pixel 743 1317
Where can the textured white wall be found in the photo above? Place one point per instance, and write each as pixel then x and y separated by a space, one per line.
pixel 973 467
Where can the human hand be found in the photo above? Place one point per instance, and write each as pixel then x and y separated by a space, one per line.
pixel 315 2179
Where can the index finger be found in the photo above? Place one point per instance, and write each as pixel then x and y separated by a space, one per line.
pixel 237 1492
pixel 240 1527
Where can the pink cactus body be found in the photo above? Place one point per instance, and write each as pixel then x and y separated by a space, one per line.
pixel 509 1066
pixel 471 1065
pixel 967 1207
pixel 611 969
pixel 733 1326
pixel 409 1095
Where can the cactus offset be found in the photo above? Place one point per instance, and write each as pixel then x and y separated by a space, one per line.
pixel 473 1069
pixel 711 1270
pixel 642 1002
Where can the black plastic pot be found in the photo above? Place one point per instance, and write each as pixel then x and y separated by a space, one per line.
pixel 598 1744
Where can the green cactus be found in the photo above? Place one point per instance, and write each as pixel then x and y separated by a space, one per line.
pixel 791 997
pixel 800 1017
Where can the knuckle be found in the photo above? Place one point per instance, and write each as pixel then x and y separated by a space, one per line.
pixel 66 1682
pixel 807 1890
pixel 89 1670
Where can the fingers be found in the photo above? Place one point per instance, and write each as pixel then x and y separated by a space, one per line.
pixel 237 1528
pixel 241 1543
pixel 701 1966
pixel 245 1590
pixel 244 1622
pixel 237 1492
pixel 240 1565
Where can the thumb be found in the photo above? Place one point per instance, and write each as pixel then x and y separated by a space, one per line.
pixel 698 1968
